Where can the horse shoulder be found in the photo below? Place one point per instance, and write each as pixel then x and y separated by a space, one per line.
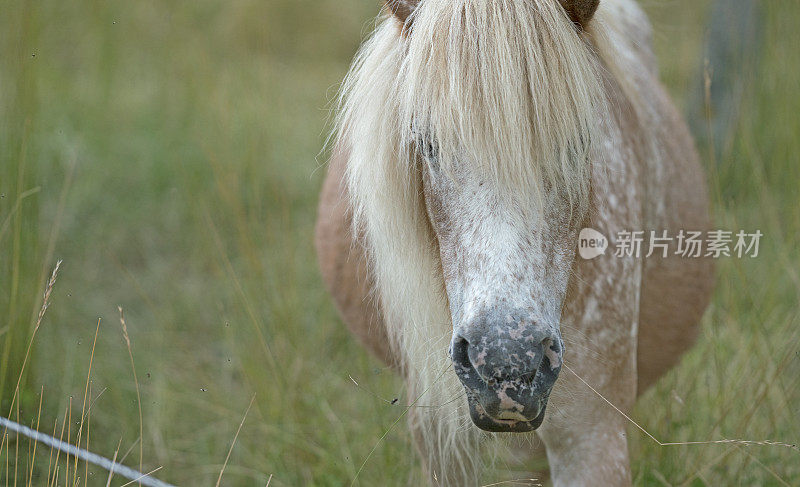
pixel 343 263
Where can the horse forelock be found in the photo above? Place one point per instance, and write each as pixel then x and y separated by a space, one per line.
pixel 510 86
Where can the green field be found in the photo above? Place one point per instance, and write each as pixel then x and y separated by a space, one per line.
pixel 170 153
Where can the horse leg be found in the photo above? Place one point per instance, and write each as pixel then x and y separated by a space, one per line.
pixel 585 436
pixel 528 458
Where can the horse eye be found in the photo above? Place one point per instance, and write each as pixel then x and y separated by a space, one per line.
pixel 430 151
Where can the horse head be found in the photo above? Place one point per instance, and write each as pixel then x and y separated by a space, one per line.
pixel 505 204
pixel 506 258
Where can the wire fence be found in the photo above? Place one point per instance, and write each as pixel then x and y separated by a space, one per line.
pixel 103 462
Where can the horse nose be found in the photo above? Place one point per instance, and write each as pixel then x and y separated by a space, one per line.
pixel 508 368
pixel 502 357
pixel 506 348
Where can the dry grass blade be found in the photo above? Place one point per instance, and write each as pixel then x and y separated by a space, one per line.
pixel 50 460
pixel 58 450
pixel 151 472
pixel 219 479
pixel 114 460
pixel 136 382
pixel 85 394
pixel 16 450
pixel 677 443
pixel 405 411
pixel 531 482
pixel 69 438
pixel 88 430
pixel 45 304
pixel 33 455
pixel 4 439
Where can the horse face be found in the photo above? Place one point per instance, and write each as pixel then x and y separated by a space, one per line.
pixel 506 258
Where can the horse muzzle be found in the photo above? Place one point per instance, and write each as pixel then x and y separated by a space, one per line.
pixel 508 372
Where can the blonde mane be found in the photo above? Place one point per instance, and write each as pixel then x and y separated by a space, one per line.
pixel 510 85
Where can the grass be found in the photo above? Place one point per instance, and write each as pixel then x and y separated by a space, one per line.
pixel 169 153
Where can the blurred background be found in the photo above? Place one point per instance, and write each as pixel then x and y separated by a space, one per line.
pixel 171 153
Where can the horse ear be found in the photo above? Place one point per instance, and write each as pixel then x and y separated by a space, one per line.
pixel 580 11
pixel 402 9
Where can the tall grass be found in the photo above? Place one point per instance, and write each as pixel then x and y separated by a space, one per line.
pixel 20 261
pixel 740 381
pixel 191 133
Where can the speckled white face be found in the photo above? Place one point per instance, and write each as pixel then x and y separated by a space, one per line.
pixel 499 249
pixel 506 256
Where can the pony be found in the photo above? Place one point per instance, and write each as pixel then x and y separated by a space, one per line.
pixel 474 140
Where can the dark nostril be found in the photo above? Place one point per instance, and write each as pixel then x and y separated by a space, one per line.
pixel 528 378
pixel 549 344
pixel 469 376
pixel 459 352
pixel 552 353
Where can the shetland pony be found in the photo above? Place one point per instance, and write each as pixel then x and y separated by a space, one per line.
pixel 475 139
